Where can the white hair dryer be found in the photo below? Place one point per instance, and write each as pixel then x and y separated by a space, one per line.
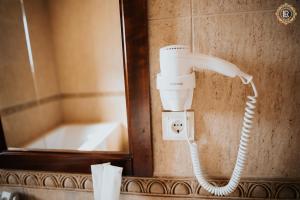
pixel 176 83
pixel 177 79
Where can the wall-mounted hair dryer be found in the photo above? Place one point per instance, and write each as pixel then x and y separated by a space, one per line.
pixel 176 83
pixel 176 80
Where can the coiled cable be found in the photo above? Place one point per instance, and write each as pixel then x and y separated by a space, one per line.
pixel 241 156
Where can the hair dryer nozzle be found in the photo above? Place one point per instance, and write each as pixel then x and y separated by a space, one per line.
pixel 171 62
pixel 175 50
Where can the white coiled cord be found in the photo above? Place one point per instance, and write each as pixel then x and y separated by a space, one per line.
pixel 242 152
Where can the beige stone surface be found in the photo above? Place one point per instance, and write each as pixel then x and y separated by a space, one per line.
pixel 87 44
pixel 15 74
pixel 158 9
pixel 45 69
pixel 24 126
pixel 76 48
pixel 259 45
pixel 20 84
pixel 248 34
pixel 212 7
pixel 95 109
pixel 10 10
pixel 167 155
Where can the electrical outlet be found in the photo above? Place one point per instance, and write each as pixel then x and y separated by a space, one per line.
pixel 177 126
pixel 174 127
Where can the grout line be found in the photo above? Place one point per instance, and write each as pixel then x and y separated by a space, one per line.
pixel 192 26
pixel 91 94
pixel 24 106
pixel 236 13
pixel 212 14
pixel 168 18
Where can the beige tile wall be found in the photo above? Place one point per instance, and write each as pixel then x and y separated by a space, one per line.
pixel 42 47
pixel 98 108
pixel 18 83
pixel 24 126
pixel 94 109
pixel 201 7
pixel 88 50
pixel 259 47
pixel 248 34
pixel 15 67
pixel 72 53
pixel 15 74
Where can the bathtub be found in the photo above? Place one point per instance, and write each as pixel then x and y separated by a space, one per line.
pixel 83 137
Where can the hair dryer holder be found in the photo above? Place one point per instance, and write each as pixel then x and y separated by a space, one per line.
pixel 176 92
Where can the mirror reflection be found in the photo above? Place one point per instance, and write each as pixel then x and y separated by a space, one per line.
pixel 62 75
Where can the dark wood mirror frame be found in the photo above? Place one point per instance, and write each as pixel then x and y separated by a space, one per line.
pixel 139 160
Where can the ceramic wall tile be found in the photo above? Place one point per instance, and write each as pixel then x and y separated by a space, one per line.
pixel 72 58
pixel 15 71
pixel 161 9
pixel 95 109
pixel 263 47
pixel 248 34
pixel 88 46
pixel 40 31
pixel 212 7
pixel 166 154
pixel 10 10
pixel 242 38
pixel 30 123
pixel 266 49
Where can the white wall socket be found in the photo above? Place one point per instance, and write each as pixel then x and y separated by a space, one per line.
pixel 173 125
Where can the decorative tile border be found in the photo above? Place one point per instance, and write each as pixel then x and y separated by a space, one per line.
pixel 157 186
pixel 29 104
pixel 92 94
pixel 57 97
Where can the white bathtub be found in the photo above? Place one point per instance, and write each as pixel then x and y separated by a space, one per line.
pixel 84 137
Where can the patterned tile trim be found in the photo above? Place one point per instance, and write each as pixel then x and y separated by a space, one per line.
pixel 92 94
pixel 157 186
pixel 29 104
pixel 34 103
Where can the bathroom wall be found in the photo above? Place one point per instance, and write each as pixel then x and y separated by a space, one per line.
pixel 27 89
pixel 77 71
pixel 87 40
pixel 10 61
pixel 246 33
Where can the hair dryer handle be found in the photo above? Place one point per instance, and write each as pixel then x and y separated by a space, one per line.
pixel 202 61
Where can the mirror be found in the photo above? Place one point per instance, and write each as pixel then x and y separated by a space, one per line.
pixel 62 75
